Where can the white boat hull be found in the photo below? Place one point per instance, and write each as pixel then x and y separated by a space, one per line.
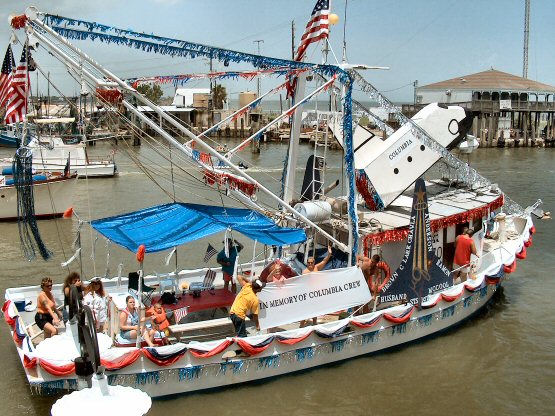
pixel 89 170
pixel 52 199
pixel 189 373
pixel 353 336
pixel 51 154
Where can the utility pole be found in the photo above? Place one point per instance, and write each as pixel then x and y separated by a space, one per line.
pixel 526 38
pixel 258 78
pixel 415 85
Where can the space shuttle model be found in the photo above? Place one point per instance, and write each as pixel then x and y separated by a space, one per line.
pixel 394 163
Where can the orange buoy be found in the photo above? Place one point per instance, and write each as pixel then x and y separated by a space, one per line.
pixel 141 253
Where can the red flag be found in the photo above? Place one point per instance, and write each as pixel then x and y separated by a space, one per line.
pixel 18 91
pixel 6 75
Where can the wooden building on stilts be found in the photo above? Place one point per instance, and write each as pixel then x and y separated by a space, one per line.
pixel 508 109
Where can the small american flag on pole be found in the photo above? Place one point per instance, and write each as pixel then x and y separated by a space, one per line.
pixel 317 27
pixel 180 314
pixel 6 75
pixel 210 251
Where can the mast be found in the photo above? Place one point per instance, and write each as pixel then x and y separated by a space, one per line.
pixel 292 40
pixel 293 155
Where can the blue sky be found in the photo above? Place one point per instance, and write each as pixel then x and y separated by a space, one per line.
pixel 424 40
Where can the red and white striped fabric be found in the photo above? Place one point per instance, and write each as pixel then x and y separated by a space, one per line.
pixel 18 92
pixel 317 27
pixel 180 314
pixel 6 75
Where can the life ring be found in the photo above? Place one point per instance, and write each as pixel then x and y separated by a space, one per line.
pixel 384 267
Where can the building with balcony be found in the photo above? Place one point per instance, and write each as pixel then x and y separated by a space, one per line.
pixel 504 105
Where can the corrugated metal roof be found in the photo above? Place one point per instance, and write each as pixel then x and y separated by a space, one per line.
pixel 492 80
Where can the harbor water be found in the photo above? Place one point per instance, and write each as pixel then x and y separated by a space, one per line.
pixel 500 362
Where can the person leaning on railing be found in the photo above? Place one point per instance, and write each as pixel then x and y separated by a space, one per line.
pixel 464 248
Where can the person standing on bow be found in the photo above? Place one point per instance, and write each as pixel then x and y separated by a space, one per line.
pixel 372 269
pixel 464 248
pixel 227 261
pixel 246 304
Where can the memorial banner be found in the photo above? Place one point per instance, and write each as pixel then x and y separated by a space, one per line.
pixel 310 295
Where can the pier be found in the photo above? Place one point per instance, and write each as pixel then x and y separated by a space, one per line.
pixel 508 110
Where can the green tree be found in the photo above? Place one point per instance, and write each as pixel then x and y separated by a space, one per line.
pixel 152 92
pixel 219 95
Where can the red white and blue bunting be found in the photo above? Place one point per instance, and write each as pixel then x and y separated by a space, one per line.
pixel 182 79
pixel 165 355
pixel 210 348
pixel 10 313
pixel 400 234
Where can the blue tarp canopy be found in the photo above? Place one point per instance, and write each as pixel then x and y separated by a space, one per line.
pixel 166 226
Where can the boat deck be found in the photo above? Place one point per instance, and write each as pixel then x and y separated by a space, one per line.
pixel 442 203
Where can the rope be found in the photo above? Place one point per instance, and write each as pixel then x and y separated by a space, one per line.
pixel 29 235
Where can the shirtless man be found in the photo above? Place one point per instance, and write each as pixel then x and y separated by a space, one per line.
pixel 312 267
pixel 369 267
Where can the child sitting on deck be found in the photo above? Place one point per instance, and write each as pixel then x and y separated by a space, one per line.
pixel 160 321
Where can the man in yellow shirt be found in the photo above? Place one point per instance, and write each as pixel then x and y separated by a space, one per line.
pixel 246 303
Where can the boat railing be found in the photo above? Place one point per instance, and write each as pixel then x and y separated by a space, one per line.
pixel 109 158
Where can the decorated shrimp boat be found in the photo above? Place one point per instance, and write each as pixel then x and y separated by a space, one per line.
pixel 400 212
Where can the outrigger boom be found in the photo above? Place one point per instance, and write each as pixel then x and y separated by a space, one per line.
pixel 32 15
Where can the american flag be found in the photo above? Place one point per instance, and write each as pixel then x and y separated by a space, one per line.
pixel 210 251
pixel 17 95
pixel 317 27
pixel 6 75
pixel 180 314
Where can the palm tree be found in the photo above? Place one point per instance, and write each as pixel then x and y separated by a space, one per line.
pixel 219 95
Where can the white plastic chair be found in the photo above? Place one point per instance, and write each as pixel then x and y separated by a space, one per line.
pixel 166 281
